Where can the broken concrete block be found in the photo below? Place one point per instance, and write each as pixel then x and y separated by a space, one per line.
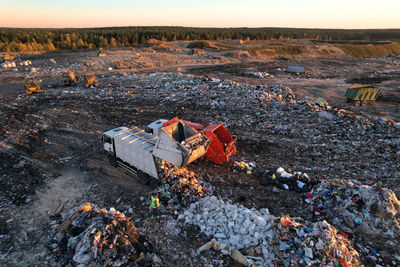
pixel 309 252
pixel 220 235
pixel 284 246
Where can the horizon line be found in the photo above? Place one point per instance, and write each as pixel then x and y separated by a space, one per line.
pixel 197 27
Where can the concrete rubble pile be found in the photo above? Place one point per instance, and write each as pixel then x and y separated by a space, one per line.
pixel 89 234
pixel 273 240
pixel 370 212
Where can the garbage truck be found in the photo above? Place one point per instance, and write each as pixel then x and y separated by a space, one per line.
pixel 141 151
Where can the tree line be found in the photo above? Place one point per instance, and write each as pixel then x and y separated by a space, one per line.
pixel 19 40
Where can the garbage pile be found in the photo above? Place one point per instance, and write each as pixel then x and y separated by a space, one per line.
pixel 299 182
pixel 243 166
pixel 369 210
pixel 311 244
pixel 317 103
pixel 334 137
pixel 276 94
pixel 257 74
pixel 180 187
pixel 13 65
pixel 106 237
pixel 275 241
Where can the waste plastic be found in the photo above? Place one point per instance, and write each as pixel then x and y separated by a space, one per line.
pixel 180 187
pixel 101 236
pixel 298 181
pixel 370 211
pixel 243 166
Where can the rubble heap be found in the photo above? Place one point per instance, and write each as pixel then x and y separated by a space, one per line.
pixel 276 240
pixel 229 223
pixel 370 210
pixel 106 237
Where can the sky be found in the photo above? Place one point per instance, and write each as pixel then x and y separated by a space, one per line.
pixel 344 14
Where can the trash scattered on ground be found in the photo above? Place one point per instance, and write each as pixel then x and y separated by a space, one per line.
pixel 180 187
pixel 60 129
pixel 106 237
pixel 243 166
pixel 299 182
pixel 257 74
pixel 317 103
pixel 370 212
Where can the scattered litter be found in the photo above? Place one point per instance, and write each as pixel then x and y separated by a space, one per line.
pixel 180 187
pixel 298 181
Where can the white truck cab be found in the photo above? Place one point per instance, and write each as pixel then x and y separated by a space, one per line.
pixel 108 139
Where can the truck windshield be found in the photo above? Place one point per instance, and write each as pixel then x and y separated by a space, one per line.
pixel 106 139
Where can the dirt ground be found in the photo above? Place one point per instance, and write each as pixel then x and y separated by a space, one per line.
pixel 51 150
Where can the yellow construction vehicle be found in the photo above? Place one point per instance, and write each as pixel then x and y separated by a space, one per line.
pixel 90 80
pixel 70 78
pixel 33 86
pixel 360 95
pixel 6 58
pixel 101 53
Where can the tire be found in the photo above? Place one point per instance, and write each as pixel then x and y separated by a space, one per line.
pixel 113 161
pixel 144 178
pixel 357 103
pixel 364 103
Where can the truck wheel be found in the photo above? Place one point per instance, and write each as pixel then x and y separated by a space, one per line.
pixel 154 182
pixel 113 161
pixel 357 103
pixel 144 178
pixel 364 103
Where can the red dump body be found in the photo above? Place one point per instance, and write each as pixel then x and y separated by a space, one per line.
pixel 222 144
